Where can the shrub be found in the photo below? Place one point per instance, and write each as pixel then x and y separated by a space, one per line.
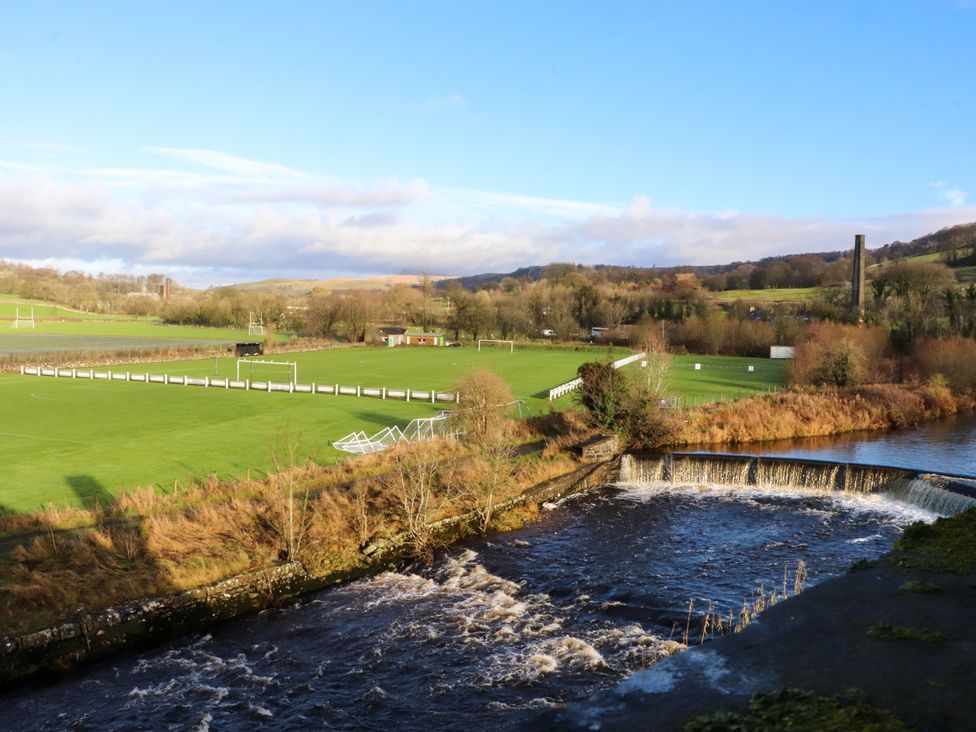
pixel 952 358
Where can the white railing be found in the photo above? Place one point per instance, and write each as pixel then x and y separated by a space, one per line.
pixel 558 391
pixel 375 392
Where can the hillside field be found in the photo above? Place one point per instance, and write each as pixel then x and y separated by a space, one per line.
pixel 783 294
pixel 75 441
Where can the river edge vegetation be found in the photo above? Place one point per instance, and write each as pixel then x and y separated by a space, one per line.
pixel 914 360
pixel 334 518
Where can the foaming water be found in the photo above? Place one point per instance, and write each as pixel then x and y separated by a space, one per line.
pixel 494 630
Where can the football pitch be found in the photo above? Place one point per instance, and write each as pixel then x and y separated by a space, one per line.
pixel 74 441
pixel 77 441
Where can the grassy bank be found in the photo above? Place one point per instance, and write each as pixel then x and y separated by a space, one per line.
pixel 148 543
pixel 815 413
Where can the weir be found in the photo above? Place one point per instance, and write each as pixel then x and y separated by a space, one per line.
pixel 943 494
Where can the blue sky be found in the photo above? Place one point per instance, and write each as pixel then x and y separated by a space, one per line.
pixel 222 142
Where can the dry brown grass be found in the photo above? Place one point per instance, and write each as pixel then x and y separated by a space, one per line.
pixel 149 543
pixel 814 413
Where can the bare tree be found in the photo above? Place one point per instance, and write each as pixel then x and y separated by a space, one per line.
pixel 482 412
pixel 291 517
pixel 419 495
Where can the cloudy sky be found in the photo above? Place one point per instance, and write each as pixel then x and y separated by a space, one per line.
pixel 225 142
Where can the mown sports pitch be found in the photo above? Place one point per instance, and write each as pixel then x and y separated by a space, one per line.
pixel 73 441
pixel 70 441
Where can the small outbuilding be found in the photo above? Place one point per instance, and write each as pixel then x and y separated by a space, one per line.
pixel 419 338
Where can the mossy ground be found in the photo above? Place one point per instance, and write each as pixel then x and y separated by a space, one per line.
pixel 800 711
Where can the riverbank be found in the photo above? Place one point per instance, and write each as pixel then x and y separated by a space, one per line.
pixel 85 636
pixel 818 412
pixel 900 630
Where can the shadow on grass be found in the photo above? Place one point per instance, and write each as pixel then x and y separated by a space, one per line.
pixel 89 491
pixel 53 569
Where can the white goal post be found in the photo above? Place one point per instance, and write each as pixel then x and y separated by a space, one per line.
pixel 511 344
pixel 290 364
pixel 24 321
pixel 255 326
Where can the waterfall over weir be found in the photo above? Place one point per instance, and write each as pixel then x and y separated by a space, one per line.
pixel 942 494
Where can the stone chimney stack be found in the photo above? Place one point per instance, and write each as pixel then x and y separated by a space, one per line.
pixel 857 278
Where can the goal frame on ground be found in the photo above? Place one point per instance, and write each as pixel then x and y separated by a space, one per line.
pixel 496 340
pixel 291 364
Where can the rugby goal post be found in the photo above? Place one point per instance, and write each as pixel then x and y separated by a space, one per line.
pixel 255 326
pixel 24 321
pixel 511 344
pixel 252 362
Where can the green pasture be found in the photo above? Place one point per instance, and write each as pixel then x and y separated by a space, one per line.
pixel 70 441
pixel 530 373
pixel 723 377
pixel 784 294
pixel 133 329
pixel 75 441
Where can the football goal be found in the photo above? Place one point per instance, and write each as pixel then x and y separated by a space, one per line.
pixel 255 325
pixel 272 370
pixel 493 343
pixel 24 321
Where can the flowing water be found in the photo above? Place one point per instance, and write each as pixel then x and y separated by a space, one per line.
pixel 495 630
pixel 948 445
pixel 498 628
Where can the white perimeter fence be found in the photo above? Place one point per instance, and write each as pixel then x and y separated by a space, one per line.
pixel 418 395
pixel 558 391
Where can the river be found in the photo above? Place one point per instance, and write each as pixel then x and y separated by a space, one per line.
pixel 498 627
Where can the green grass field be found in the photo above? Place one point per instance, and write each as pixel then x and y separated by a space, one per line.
pixel 786 294
pixel 71 441
pixel 723 377
pixel 530 373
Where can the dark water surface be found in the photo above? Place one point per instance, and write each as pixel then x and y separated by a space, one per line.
pixel 495 630
pixel 947 446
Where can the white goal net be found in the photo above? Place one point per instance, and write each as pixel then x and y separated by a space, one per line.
pixel 255 325
pixel 493 343
pixel 281 371
pixel 24 321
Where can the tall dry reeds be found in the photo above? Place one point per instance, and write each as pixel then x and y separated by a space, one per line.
pixel 814 413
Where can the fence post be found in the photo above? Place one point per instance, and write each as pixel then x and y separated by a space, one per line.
pixel 166 378
pixel 384 393
pixel 269 386
pixel 457 397
pixel 313 388
pixel 359 390
pixel 336 392
pixel 408 395
pixel 21 370
pixel 206 382
pixel 128 376
pixel 247 385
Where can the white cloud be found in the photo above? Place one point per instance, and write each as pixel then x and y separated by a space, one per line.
pixel 252 220
pixel 229 163
pixel 953 196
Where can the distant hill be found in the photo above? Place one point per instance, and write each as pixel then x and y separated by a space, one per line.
pixel 300 288
pixel 955 245
pixel 945 240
